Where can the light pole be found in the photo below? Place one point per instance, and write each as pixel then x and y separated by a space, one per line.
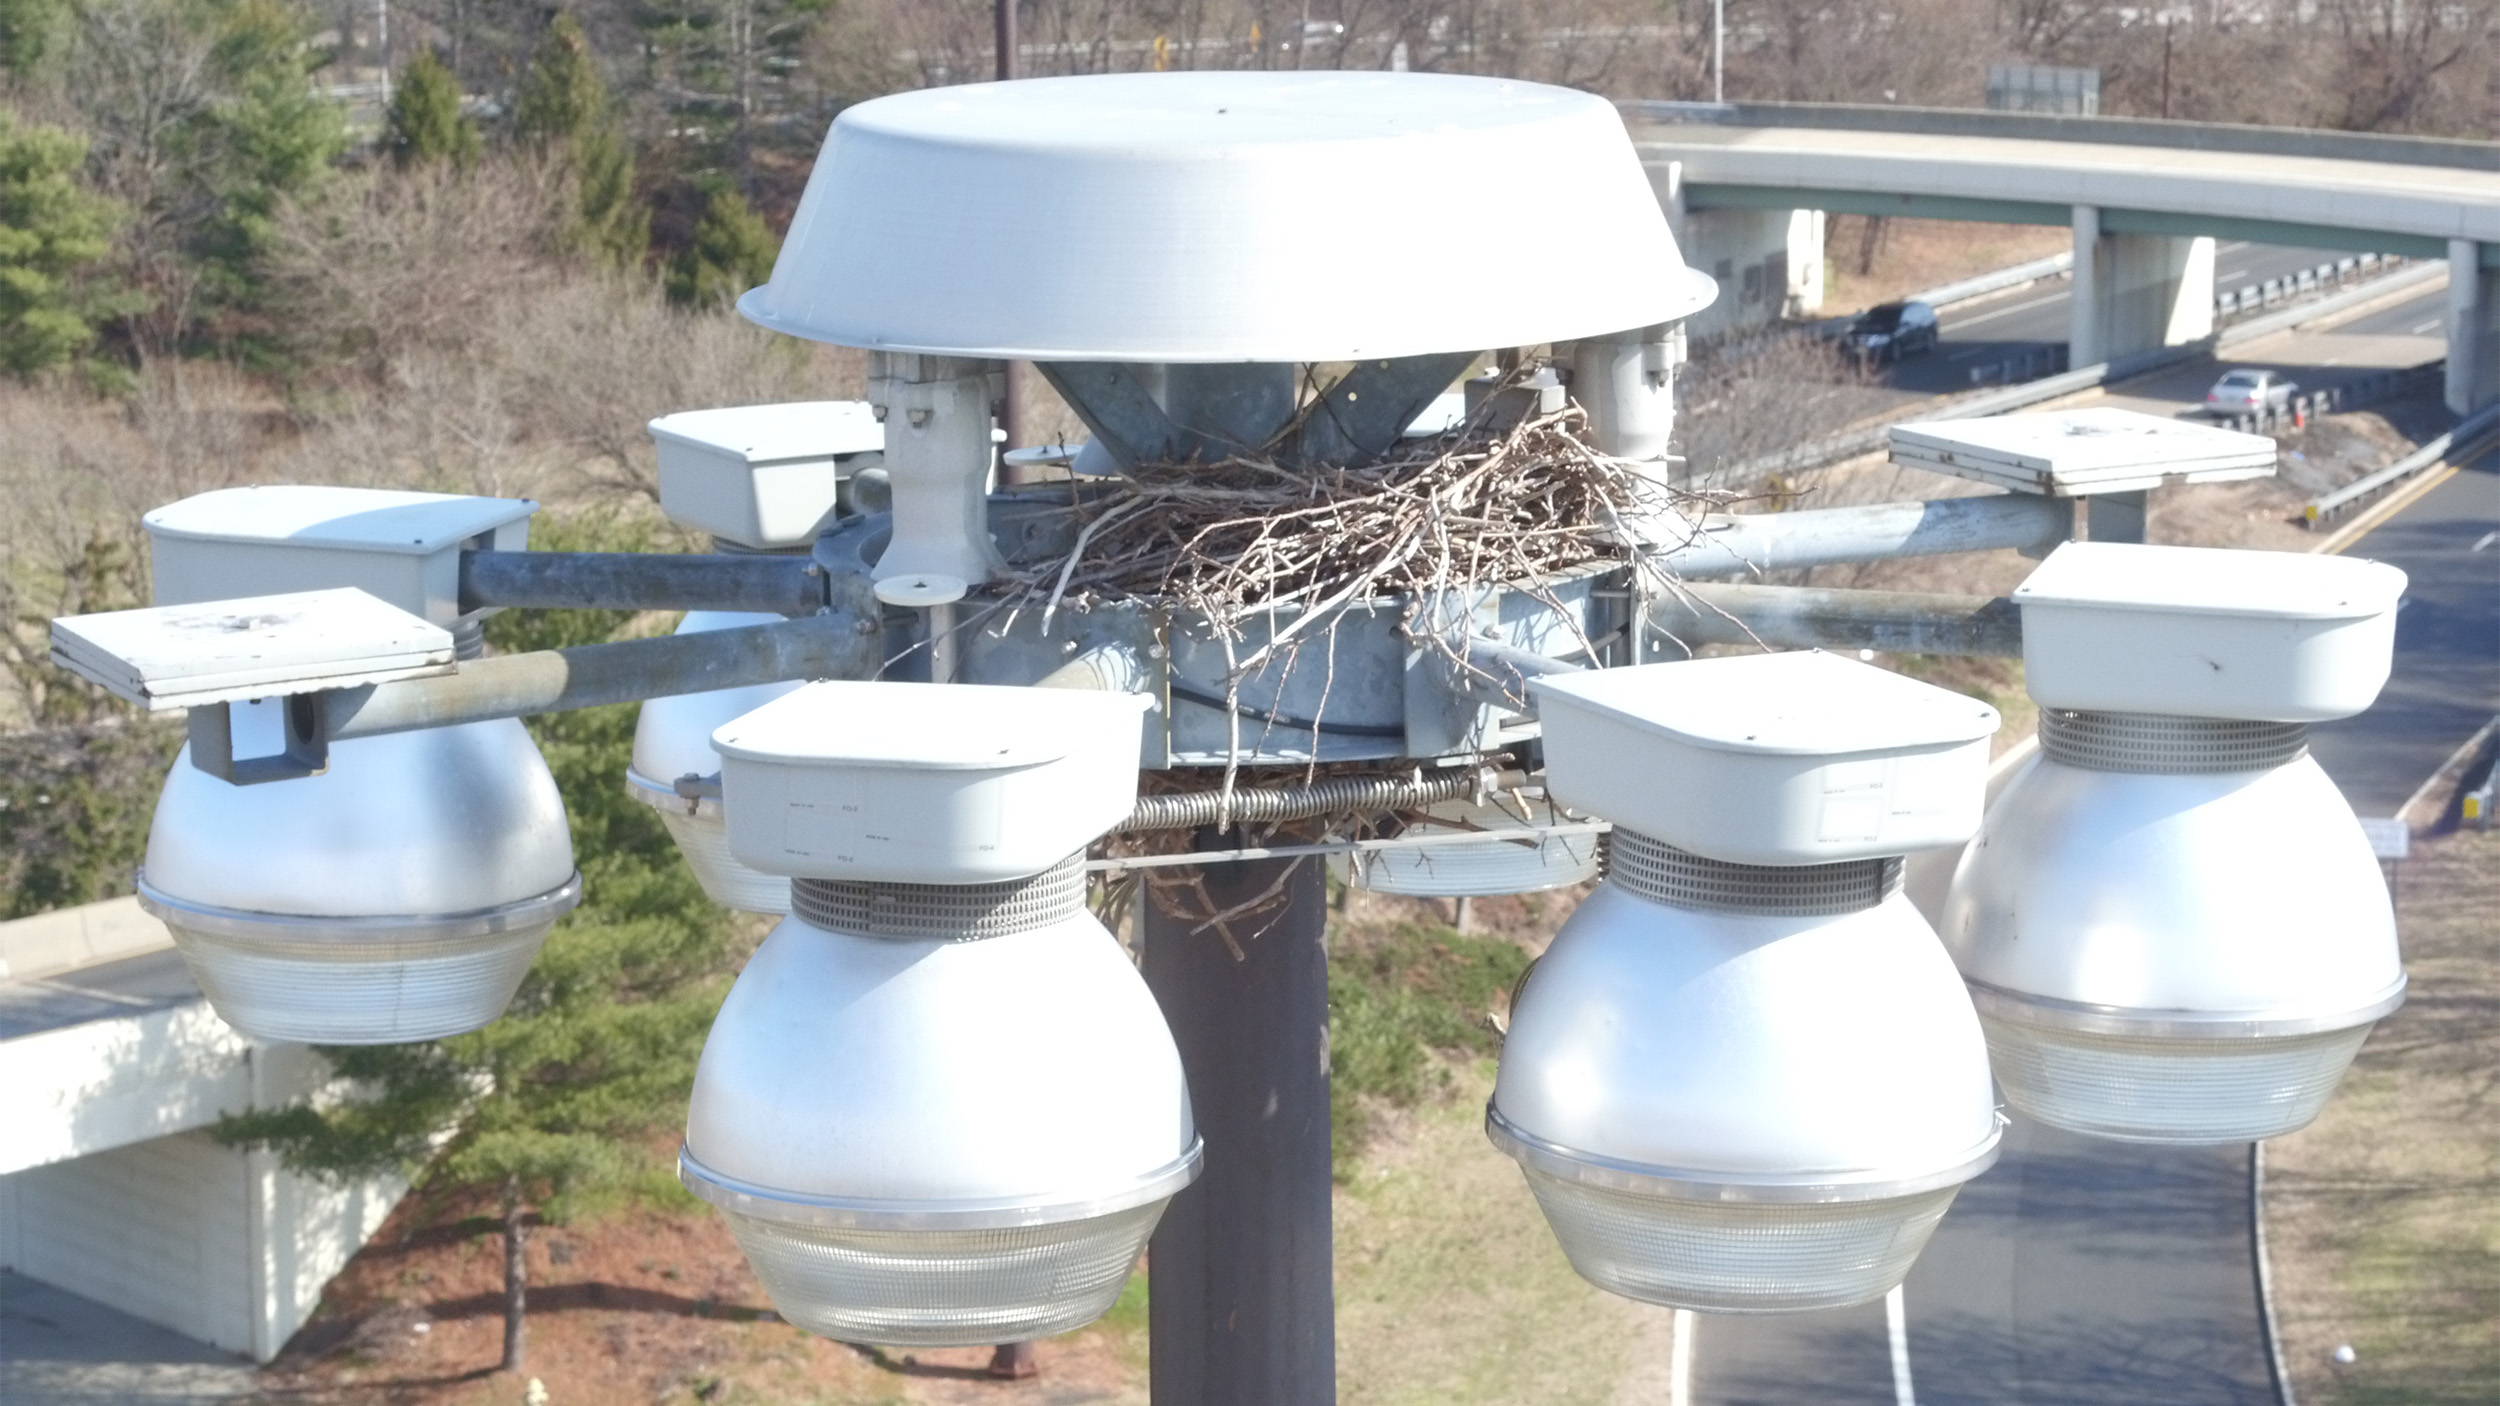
pixel 1184 356
pixel 1718 51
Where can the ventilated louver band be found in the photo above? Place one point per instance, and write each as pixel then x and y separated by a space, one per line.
pixel 2158 744
pixel 1661 873
pixel 953 912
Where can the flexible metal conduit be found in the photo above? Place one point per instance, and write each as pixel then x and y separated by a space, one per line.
pixel 1187 810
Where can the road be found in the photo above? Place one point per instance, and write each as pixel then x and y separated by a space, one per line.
pixel 2032 321
pixel 2447 678
pixel 2079 1272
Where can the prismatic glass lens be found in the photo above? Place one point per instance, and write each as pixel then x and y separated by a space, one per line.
pixel 1721 1257
pixel 2169 1088
pixel 293 984
pixel 965 1288
pixel 703 838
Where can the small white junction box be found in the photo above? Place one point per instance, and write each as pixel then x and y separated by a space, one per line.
pixel 2072 453
pixel 400 548
pixel 1799 758
pixel 927 783
pixel 2208 632
pixel 761 476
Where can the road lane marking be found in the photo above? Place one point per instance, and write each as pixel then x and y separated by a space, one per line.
pixel 2227 277
pixel 1680 1360
pixel 1897 1326
pixel 2011 308
pixel 2484 541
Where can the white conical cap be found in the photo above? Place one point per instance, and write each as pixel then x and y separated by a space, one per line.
pixel 1212 217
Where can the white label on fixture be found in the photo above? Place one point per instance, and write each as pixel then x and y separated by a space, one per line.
pixel 1856 816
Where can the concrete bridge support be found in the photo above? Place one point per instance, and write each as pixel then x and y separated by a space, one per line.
pixel 2473 327
pixel 2137 292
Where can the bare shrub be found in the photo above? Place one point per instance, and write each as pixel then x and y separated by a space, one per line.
pixel 1745 396
pixel 394 262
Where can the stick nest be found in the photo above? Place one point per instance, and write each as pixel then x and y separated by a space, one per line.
pixel 1248 535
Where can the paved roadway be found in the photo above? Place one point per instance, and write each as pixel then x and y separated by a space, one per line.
pixel 2086 1273
pixel 2447 679
pixel 2033 321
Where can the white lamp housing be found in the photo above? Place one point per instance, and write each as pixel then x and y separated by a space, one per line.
pixel 676 772
pixel 2172 923
pixel 401 894
pixel 764 477
pixel 1743 1086
pixel 940 1110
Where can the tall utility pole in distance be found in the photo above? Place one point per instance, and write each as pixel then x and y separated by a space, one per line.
pixel 1011 403
pixel 1718 51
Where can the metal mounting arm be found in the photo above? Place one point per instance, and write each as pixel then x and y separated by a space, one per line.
pixel 775 585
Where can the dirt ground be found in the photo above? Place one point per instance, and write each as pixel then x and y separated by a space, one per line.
pixel 2384 1215
pixel 1913 254
pixel 646 1305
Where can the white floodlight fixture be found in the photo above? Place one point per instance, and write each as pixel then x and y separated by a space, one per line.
pixel 2081 453
pixel 763 477
pixel 939 1106
pixel 1744 1078
pixel 758 478
pixel 2171 921
pixel 401 893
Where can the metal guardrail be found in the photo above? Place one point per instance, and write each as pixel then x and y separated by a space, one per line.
pixel 2463 442
pixel 1980 285
pixel 1866 439
pixel 2334 273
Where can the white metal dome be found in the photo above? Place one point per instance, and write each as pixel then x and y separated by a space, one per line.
pixel 946 1139
pixel 2173 958
pixel 401 895
pixel 1224 217
pixel 673 739
pixel 1744 1112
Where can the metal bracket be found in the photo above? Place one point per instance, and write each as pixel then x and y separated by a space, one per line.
pixel 1361 417
pixel 306 753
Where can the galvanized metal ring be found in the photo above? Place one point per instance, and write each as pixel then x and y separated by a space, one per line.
pixel 1731 1188
pixel 995 1213
pixel 246 924
pixel 2050 1013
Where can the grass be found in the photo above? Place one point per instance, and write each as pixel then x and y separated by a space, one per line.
pixel 2384 1215
pixel 1403 999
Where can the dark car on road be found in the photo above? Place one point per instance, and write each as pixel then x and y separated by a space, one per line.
pixel 1893 331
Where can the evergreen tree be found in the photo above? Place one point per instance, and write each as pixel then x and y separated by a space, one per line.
pixel 562 109
pixel 270 136
pixel 733 251
pixel 54 233
pixel 30 32
pixel 548 1109
pixel 425 122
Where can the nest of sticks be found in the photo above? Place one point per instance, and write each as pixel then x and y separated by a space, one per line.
pixel 1248 536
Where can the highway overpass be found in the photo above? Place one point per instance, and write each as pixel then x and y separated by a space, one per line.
pixel 2146 201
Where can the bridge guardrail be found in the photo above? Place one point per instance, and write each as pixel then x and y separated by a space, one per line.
pixel 2464 442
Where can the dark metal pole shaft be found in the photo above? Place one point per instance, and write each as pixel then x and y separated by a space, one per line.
pixel 1243 1306
pixel 774 585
